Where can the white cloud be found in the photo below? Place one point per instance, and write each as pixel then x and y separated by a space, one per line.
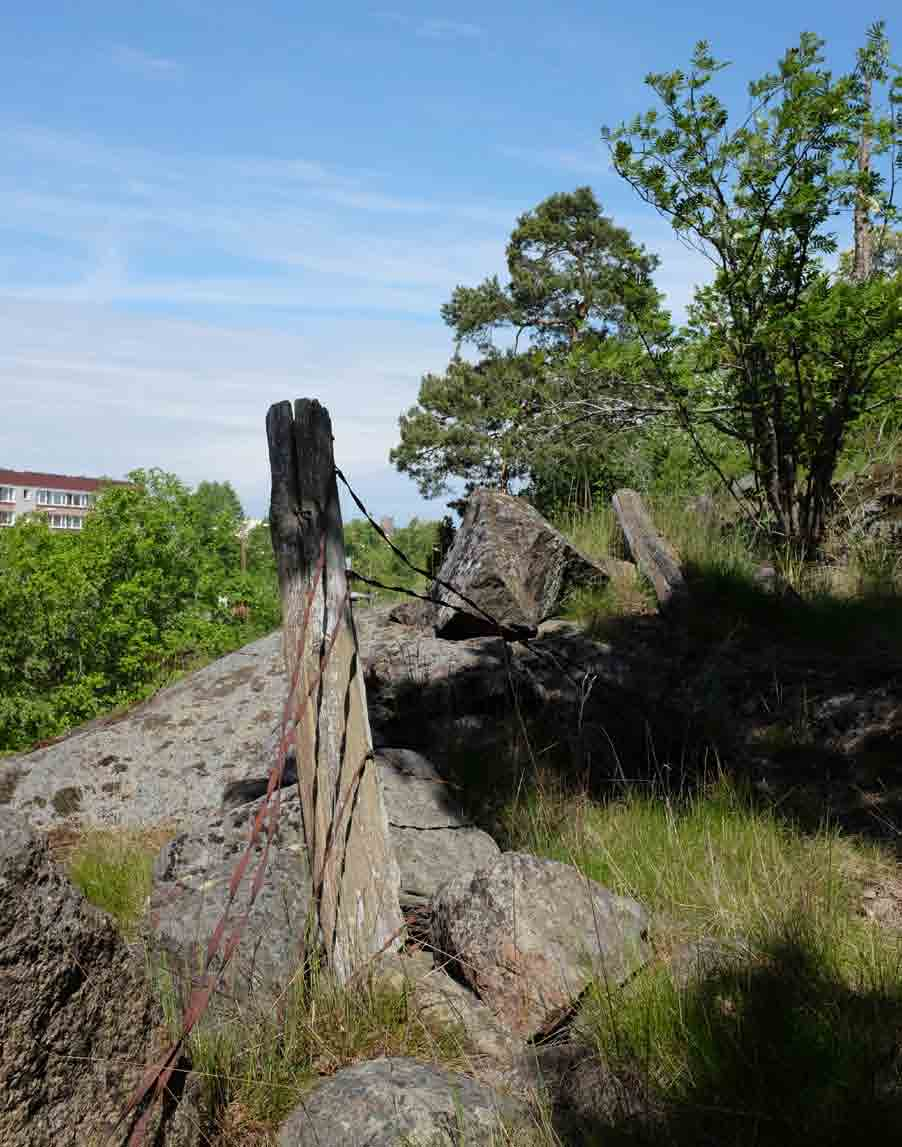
pixel 440 29
pixel 93 390
pixel 322 282
pixel 307 230
pixel 142 63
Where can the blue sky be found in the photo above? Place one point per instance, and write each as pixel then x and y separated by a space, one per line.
pixel 206 207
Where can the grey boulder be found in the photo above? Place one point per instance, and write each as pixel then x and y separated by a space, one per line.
pixel 191 892
pixel 389 1102
pixel 512 563
pixel 529 935
pixel 79 1017
pixel 165 760
pixel 433 839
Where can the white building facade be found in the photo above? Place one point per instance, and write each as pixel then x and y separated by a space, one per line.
pixel 63 498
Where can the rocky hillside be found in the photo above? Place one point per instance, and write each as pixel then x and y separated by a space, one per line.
pixel 504 945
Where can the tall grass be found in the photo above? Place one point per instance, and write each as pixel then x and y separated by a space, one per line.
pixel 835 609
pixel 263 1067
pixel 713 864
pixel 596 533
pixel 772 1012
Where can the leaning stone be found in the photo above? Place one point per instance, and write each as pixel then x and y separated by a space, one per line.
pixel 388 1102
pixel 529 935
pixel 512 563
pixel 653 554
pixel 78 1014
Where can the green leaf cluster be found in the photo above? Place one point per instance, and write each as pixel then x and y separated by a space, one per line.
pixel 780 354
pixel 424 543
pixel 92 621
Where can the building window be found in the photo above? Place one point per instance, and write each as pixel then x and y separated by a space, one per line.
pixel 65 521
pixel 7 494
pixel 26 494
pixel 7 518
pixel 62 498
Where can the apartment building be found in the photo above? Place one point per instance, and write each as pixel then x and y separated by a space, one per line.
pixel 63 498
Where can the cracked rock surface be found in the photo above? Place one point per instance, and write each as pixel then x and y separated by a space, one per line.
pixel 528 935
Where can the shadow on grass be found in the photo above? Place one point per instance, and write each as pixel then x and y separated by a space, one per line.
pixel 725 601
pixel 782 1050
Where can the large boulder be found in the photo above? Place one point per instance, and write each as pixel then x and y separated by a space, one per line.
pixel 191 892
pixel 387 1102
pixel 529 935
pixel 169 761
pixel 164 761
pixel 432 839
pixel 79 1017
pixel 512 563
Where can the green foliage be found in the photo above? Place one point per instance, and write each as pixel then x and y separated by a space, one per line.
pixel 94 620
pixel 425 543
pixel 567 264
pixel 263 1067
pixel 656 457
pixel 574 278
pixel 778 355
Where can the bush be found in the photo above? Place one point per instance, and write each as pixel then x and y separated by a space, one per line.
pixel 95 621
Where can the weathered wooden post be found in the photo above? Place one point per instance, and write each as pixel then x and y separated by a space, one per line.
pixel 355 876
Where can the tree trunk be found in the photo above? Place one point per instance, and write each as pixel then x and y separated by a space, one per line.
pixel 355 876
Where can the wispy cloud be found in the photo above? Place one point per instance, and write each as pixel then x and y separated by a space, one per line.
pixel 133 60
pixel 439 29
pixel 585 160
pixel 266 229
pixel 289 277
pixel 137 390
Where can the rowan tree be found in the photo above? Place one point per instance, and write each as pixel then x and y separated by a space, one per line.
pixel 780 355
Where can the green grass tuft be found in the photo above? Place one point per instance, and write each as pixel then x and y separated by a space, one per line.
pixel 113 868
pixel 263 1066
